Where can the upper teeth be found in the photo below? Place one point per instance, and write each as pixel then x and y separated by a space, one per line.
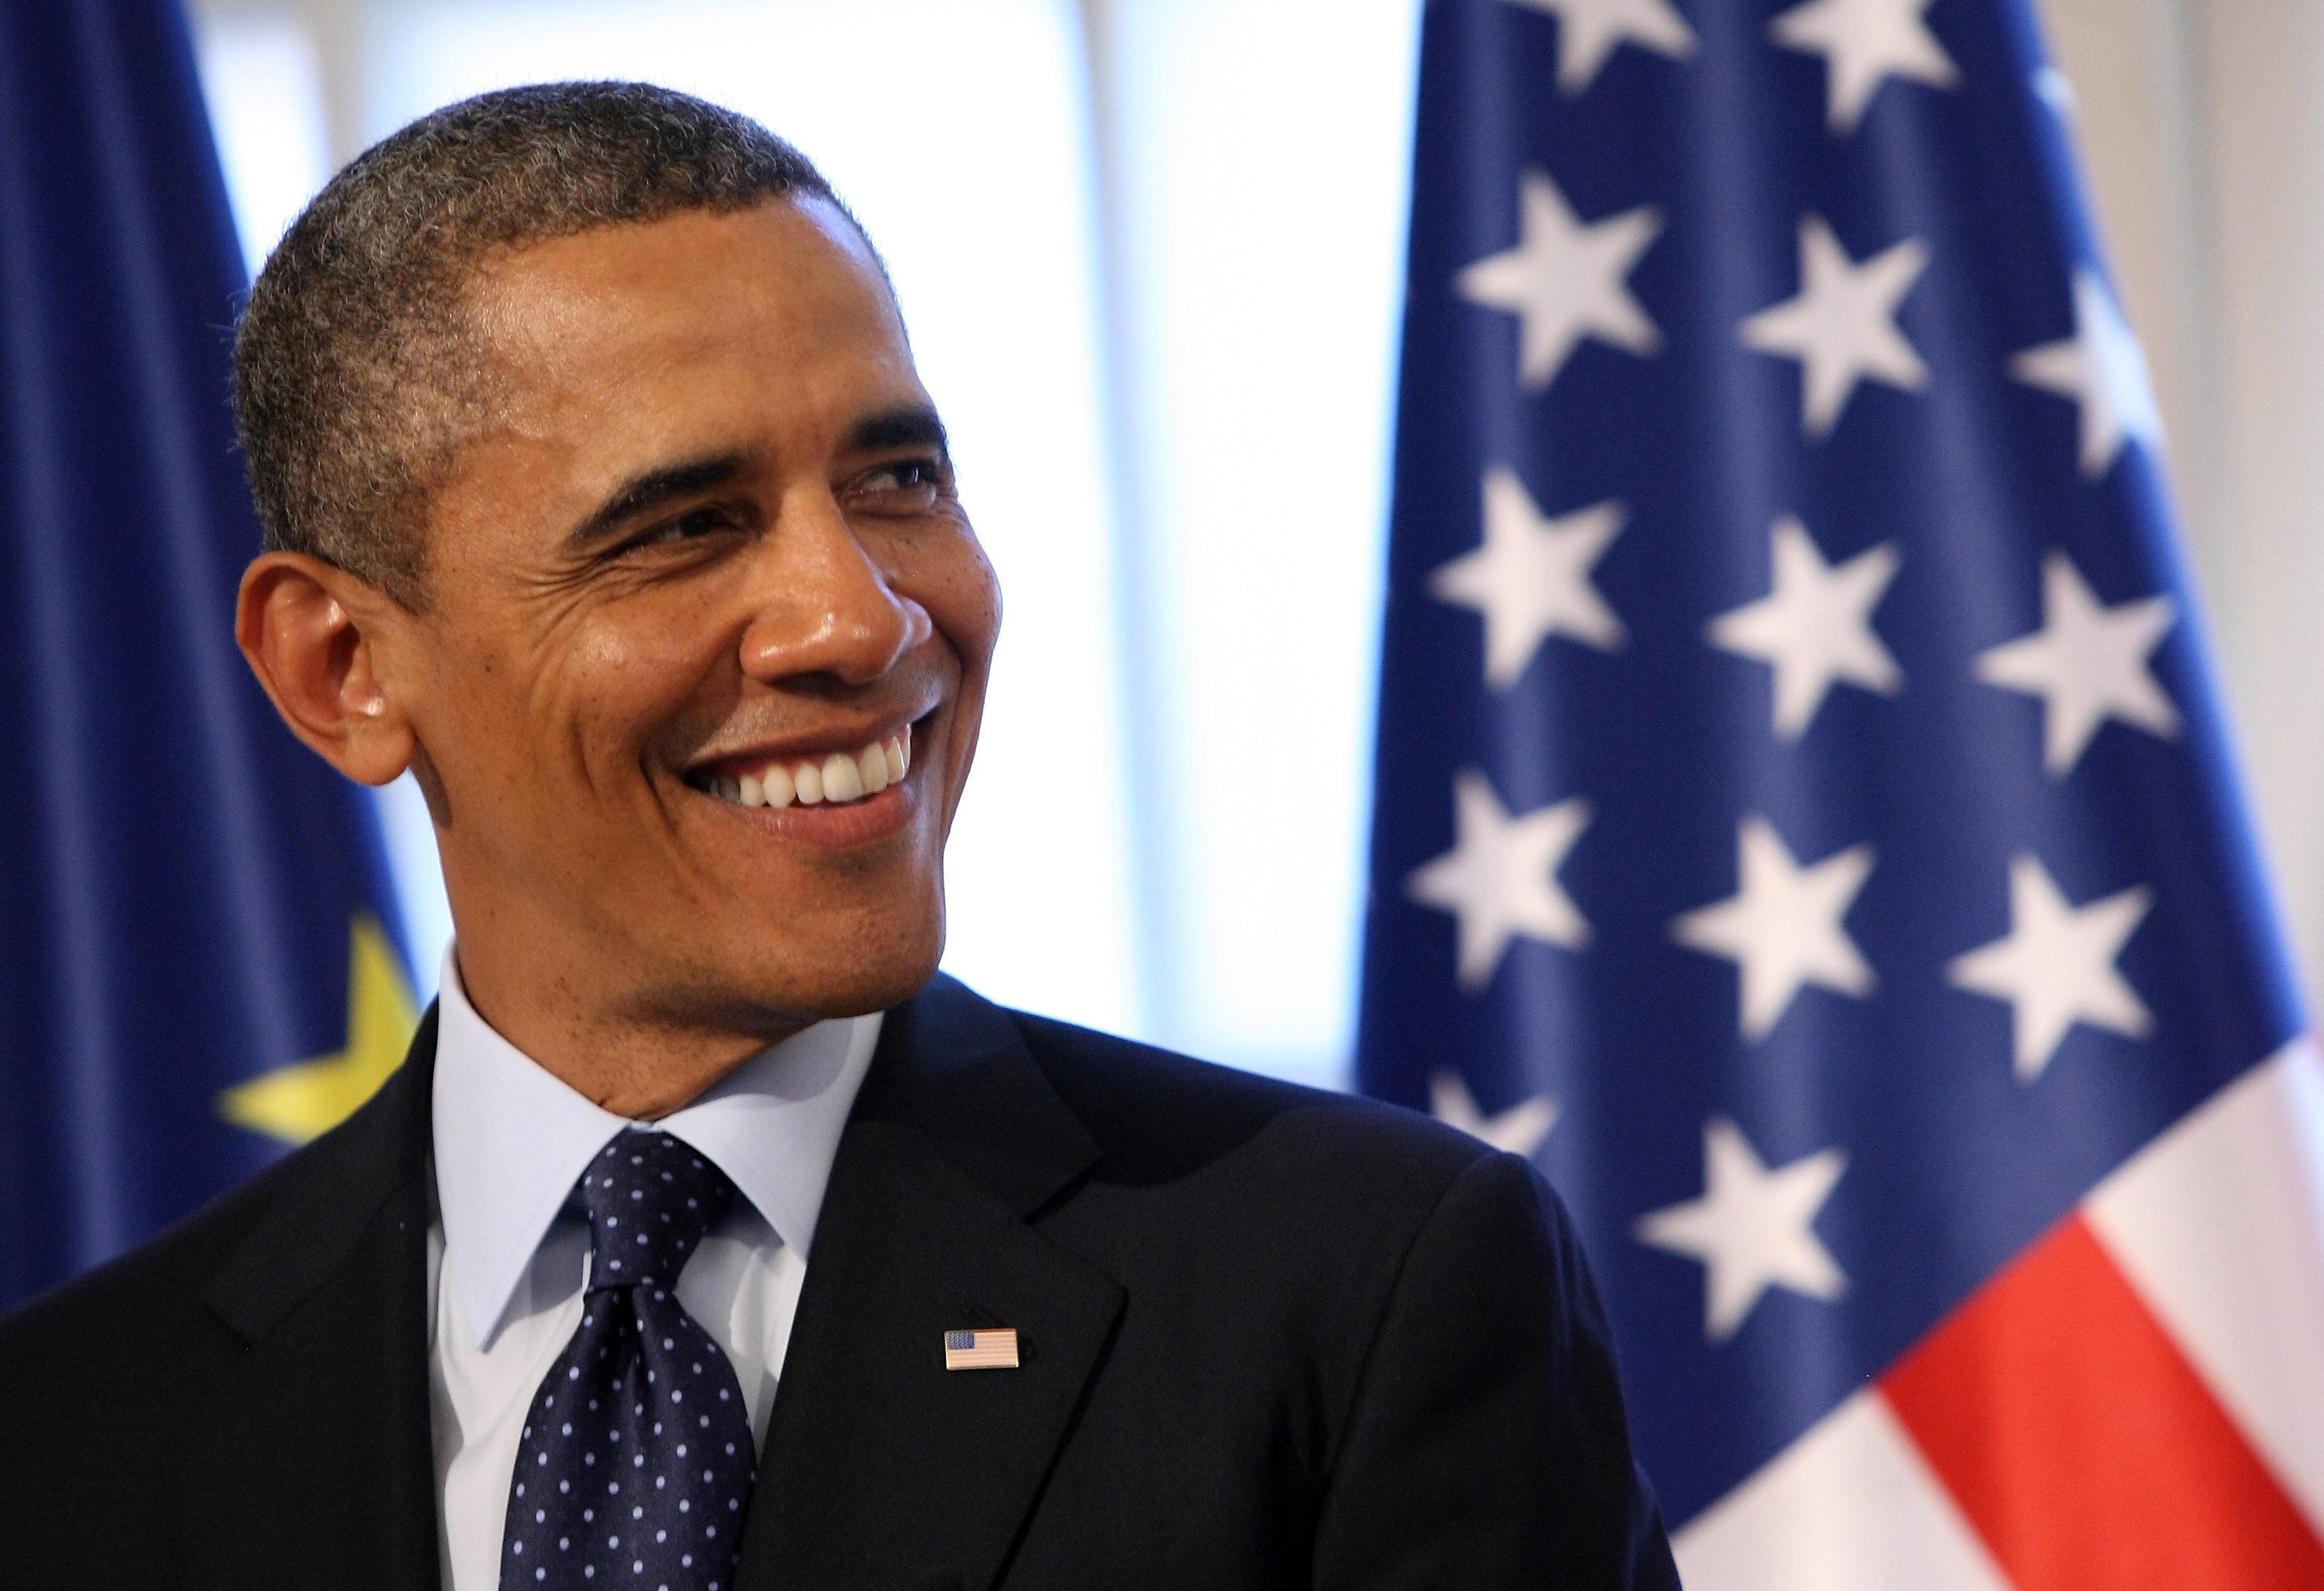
pixel 833 780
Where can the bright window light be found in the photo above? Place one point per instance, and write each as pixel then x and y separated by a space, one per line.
pixel 265 92
pixel 1263 152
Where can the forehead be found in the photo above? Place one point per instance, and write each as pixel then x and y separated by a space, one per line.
pixel 779 292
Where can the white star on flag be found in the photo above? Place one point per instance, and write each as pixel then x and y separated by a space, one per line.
pixel 2101 368
pixel 2088 663
pixel 1518 1130
pixel 1815 627
pixel 1781 927
pixel 1842 326
pixel 1500 877
pixel 1565 280
pixel 2056 967
pixel 1530 579
pixel 1589 30
pixel 1864 42
pixel 1753 1228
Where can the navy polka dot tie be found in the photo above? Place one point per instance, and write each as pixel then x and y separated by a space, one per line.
pixel 636 1464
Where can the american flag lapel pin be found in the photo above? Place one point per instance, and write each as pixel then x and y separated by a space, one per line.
pixel 993 1350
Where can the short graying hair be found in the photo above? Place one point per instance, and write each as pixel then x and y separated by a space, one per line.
pixel 355 375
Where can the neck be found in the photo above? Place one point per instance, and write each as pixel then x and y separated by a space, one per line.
pixel 639 1066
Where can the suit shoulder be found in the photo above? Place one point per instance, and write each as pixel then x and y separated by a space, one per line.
pixel 125 1309
pixel 90 1371
pixel 152 1296
pixel 1154 1107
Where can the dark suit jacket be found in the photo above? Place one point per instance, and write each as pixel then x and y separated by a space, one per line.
pixel 1272 1338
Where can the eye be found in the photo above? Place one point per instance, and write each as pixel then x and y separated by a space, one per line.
pixel 690 525
pixel 914 472
pixel 903 486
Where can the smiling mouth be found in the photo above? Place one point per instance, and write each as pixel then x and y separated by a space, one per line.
pixel 833 778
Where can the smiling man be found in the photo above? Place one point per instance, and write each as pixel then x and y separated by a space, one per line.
pixel 708 1238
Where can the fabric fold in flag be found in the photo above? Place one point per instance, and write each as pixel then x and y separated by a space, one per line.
pixel 1803 799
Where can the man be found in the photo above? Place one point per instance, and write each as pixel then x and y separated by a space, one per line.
pixel 708 1238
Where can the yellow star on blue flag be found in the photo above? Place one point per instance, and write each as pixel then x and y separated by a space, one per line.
pixel 303 1101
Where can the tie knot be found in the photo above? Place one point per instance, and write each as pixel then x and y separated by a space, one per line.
pixel 650 1197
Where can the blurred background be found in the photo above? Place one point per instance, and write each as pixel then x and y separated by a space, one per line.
pixel 1150 253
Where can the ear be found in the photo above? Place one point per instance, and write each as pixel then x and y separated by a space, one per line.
pixel 312 633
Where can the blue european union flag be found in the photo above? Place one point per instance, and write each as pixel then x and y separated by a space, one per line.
pixel 197 938
pixel 1804 821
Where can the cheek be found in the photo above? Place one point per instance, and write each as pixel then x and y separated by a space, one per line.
pixel 616 681
pixel 957 586
pixel 580 698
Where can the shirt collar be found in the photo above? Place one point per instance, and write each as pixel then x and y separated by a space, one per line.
pixel 512 1139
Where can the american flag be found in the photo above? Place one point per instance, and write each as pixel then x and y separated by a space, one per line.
pixel 980 1350
pixel 1804 821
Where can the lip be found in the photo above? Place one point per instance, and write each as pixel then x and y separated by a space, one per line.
pixel 823 743
pixel 862 822
pixel 858 822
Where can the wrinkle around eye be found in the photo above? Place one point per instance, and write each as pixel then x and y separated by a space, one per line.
pixel 642 562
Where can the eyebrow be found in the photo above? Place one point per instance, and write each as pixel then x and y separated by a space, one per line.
pixel 913 426
pixel 642 494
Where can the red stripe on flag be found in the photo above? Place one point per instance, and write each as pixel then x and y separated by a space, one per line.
pixel 2083 1445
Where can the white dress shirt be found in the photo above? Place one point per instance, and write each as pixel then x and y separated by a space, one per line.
pixel 508 1256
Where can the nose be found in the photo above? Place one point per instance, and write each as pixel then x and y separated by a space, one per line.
pixel 824 605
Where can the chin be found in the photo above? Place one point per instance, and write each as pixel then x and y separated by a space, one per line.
pixel 854 990
pixel 847 974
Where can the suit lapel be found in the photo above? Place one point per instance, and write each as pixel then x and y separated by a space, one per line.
pixel 308 1463
pixel 881 1468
